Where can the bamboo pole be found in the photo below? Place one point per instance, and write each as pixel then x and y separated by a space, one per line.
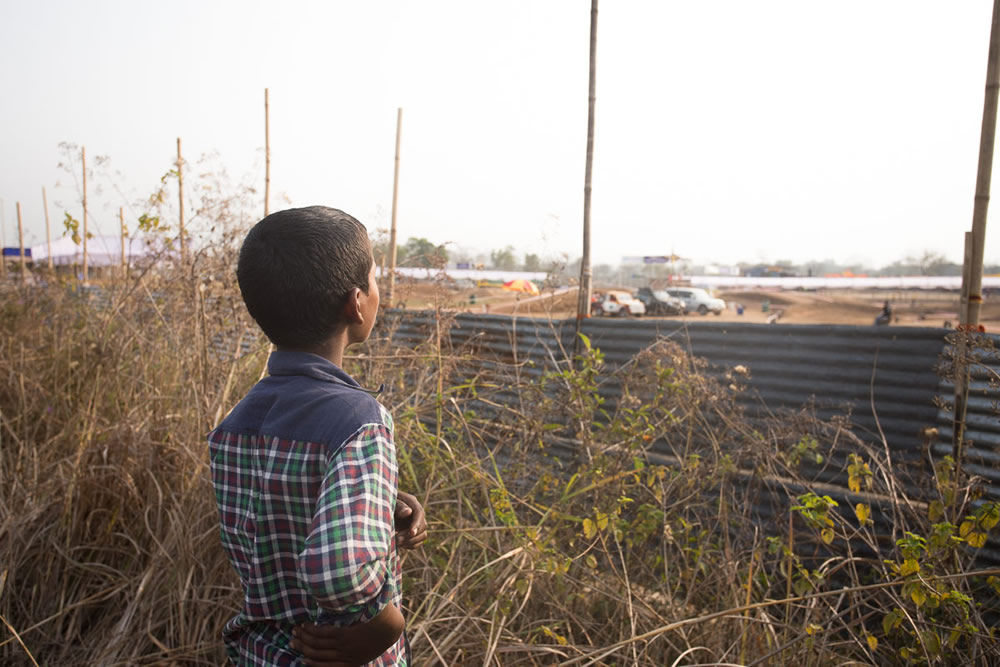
pixel 583 301
pixel 180 198
pixel 20 243
pixel 972 269
pixel 392 228
pixel 48 230
pixel 3 239
pixel 985 171
pixel 83 159
pixel 121 224
pixel 267 154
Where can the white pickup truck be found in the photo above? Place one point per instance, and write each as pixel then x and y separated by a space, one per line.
pixel 618 303
pixel 698 300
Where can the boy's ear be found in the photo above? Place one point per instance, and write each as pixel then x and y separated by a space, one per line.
pixel 351 312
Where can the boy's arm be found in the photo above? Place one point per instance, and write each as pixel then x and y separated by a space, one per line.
pixel 344 560
pixel 331 646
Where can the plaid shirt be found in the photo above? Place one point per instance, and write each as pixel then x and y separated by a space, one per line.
pixel 304 470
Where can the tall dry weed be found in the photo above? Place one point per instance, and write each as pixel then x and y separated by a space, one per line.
pixel 665 527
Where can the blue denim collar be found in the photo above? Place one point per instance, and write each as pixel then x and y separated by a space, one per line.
pixel 285 362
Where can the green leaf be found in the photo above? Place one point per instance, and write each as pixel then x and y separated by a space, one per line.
pixel 976 540
pixel 909 566
pixel 571 482
pixel 990 515
pixel 918 596
pixel 932 643
pixel 891 621
pixel 826 535
pixel 863 512
pixel 589 529
pixel 887 624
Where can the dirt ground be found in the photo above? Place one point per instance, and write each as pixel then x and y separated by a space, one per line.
pixel 858 307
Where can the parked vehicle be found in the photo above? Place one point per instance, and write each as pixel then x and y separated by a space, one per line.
pixel 619 303
pixel 658 302
pixel 698 300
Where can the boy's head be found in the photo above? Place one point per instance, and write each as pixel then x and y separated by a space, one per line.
pixel 298 271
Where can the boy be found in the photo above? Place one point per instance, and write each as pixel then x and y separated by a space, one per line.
pixel 304 467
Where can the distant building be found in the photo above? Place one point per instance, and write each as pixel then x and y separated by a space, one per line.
pixel 770 271
pixel 721 270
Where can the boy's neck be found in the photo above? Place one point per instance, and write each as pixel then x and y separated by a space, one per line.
pixel 331 349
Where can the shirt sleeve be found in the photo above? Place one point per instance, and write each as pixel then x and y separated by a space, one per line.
pixel 344 563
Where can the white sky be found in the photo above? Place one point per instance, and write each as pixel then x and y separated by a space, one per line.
pixel 725 131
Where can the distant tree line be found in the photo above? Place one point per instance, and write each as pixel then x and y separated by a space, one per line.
pixel 928 263
pixel 420 252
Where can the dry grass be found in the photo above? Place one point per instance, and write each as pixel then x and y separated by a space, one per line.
pixel 557 536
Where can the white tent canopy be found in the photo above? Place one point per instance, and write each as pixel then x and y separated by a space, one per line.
pixel 101 250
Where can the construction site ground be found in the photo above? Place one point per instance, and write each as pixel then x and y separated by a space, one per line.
pixel 928 308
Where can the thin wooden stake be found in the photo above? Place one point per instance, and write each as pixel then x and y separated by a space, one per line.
pixel 83 159
pixel 267 154
pixel 960 367
pixel 180 197
pixel 583 300
pixel 967 259
pixel 48 231
pixel 121 222
pixel 3 239
pixel 392 228
pixel 20 243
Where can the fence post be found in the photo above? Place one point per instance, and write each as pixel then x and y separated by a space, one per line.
pixel 48 231
pixel 392 228
pixel 180 199
pixel 20 243
pixel 83 159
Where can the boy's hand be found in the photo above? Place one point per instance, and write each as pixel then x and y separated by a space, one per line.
pixel 411 523
pixel 322 645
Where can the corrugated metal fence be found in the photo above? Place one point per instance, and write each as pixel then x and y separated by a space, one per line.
pixel 883 377
pixel 841 368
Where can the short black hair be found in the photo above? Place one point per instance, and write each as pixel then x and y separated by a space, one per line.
pixel 296 270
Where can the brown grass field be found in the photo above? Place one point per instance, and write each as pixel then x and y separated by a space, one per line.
pixel 602 554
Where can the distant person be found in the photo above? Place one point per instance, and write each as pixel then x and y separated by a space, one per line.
pixel 304 467
pixel 885 317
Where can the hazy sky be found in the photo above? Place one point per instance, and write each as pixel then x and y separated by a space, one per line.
pixel 725 131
